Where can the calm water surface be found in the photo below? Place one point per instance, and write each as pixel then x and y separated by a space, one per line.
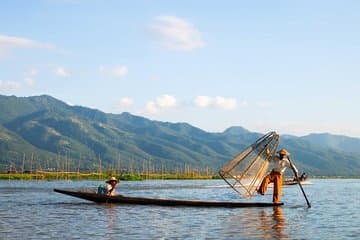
pixel 31 210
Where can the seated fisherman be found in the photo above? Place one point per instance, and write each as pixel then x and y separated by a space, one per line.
pixel 303 177
pixel 109 188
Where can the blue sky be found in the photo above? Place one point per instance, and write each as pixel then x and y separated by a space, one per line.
pixel 288 66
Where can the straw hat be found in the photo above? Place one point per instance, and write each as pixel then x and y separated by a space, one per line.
pixel 112 179
pixel 283 152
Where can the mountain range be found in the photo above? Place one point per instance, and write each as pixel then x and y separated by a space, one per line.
pixel 42 132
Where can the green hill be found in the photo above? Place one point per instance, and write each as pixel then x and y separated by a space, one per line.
pixel 44 133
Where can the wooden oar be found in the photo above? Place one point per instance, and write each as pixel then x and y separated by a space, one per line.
pixel 301 187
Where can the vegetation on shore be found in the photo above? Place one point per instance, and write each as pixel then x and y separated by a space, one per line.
pixel 50 176
pixel 53 176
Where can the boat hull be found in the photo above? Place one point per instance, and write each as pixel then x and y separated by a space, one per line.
pixel 292 182
pixel 120 199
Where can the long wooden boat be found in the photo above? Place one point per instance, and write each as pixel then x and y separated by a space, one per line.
pixel 120 199
pixel 294 182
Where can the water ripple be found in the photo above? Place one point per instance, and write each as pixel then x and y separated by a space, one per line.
pixel 32 210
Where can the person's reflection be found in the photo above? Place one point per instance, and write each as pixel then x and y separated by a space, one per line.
pixel 111 216
pixel 257 223
pixel 273 225
pixel 279 222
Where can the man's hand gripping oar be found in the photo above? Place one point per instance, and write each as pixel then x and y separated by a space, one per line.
pixel 298 180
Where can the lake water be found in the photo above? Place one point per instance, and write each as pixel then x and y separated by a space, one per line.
pixel 31 210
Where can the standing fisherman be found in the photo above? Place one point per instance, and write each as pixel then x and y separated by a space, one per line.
pixel 281 162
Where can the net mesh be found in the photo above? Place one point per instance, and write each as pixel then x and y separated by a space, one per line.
pixel 245 172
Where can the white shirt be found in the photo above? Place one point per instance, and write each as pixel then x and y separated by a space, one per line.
pixel 108 188
pixel 281 164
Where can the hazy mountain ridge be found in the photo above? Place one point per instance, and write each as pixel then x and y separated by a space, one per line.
pixel 338 142
pixel 50 130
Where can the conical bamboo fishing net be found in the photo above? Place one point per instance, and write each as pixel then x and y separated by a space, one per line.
pixel 245 172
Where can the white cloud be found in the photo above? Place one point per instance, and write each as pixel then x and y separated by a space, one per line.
pixel 160 103
pixel 29 82
pixel 61 72
pixel 117 71
pixel 15 85
pixel 225 103
pixel 151 107
pixel 166 101
pixel 218 102
pixel 203 101
pixel 126 101
pixel 10 42
pixel 177 33
pixel 22 42
pixel 9 85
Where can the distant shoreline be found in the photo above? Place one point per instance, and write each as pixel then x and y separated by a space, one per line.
pixel 53 176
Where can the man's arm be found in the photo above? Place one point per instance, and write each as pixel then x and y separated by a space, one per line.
pixel 293 168
pixel 268 152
